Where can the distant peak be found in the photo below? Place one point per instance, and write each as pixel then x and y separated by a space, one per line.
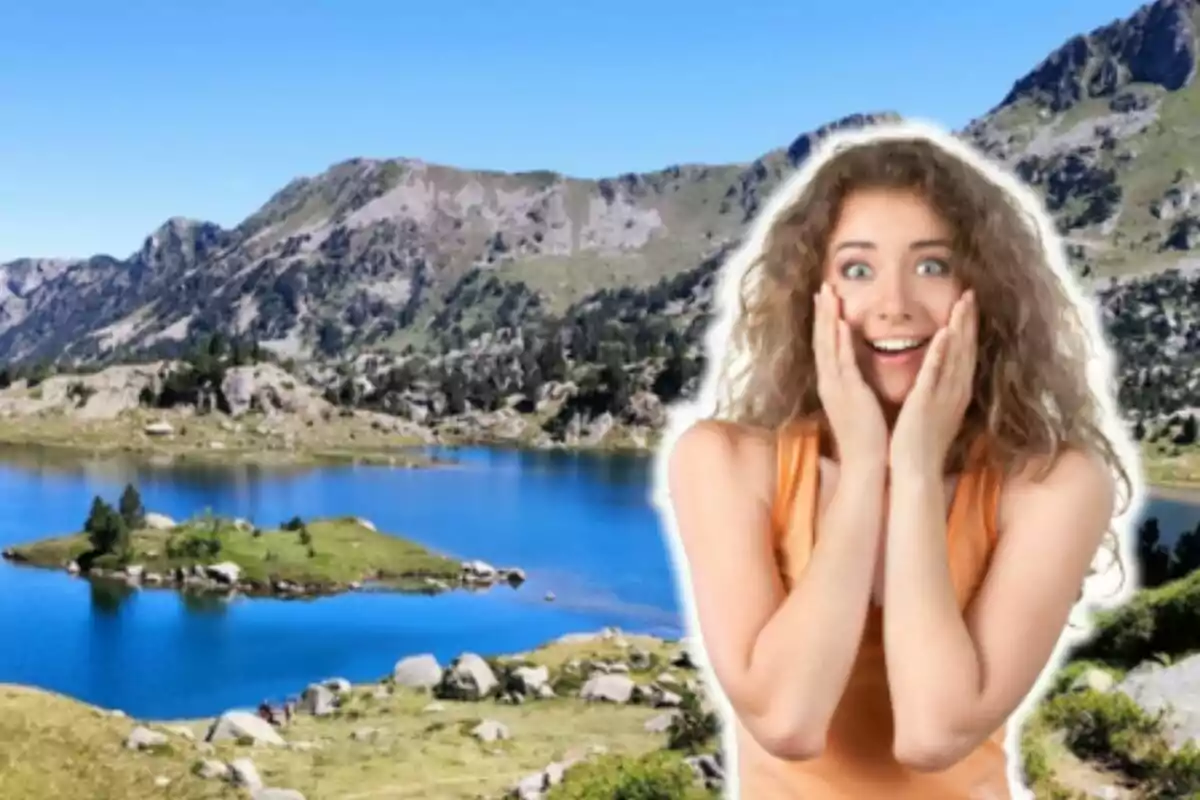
pixel 801 148
pixel 1154 45
pixel 175 224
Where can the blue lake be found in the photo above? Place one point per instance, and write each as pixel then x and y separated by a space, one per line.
pixel 581 526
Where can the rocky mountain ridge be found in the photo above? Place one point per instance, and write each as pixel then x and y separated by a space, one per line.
pixel 380 254
pixel 601 375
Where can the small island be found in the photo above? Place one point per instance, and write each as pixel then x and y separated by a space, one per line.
pixel 209 553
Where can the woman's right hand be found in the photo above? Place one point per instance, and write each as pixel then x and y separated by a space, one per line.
pixel 852 408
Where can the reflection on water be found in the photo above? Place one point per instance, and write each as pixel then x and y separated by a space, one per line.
pixel 204 602
pixel 131 468
pixel 107 596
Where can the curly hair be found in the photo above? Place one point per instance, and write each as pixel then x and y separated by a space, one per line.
pixel 1044 381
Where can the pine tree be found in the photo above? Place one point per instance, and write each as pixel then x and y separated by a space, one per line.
pixel 106 528
pixel 132 511
pixel 1186 556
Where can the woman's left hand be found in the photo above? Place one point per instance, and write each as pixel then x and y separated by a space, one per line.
pixel 934 409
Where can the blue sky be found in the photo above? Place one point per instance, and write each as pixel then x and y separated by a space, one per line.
pixel 118 115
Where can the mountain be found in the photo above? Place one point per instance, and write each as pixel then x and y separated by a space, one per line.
pixel 1108 129
pixel 386 253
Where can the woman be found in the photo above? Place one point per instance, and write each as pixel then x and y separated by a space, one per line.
pixel 914 460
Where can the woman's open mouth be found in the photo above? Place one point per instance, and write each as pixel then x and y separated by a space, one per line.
pixel 898 351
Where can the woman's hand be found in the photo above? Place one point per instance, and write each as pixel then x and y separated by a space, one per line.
pixel 933 412
pixel 854 413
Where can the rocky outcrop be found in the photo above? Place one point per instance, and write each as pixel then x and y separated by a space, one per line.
pixel 1074 175
pixel 1180 197
pixel 101 395
pixel 1184 234
pixel 1154 324
pixel 1172 690
pixel 269 389
pixel 1156 45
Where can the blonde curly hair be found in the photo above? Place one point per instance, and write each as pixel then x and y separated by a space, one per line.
pixel 1045 378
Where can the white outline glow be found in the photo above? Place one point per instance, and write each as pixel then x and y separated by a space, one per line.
pixel 1102 380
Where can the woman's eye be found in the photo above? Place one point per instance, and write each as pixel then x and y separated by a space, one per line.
pixel 856 270
pixel 933 266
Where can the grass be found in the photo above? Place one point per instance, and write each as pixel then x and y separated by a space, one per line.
pixel 207 439
pixel 557 654
pixel 382 742
pixel 343 551
pixel 58 747
pixel 1171 466
pixel 415 754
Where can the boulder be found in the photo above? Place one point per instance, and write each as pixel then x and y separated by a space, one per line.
pixel 468 677
pixel 417 672
pixel 234 725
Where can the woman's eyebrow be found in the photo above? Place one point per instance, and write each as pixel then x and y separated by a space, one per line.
pixel 914 246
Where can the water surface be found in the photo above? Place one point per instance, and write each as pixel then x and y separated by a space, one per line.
pixel 581 526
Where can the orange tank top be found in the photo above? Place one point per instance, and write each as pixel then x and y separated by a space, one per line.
pixel 857 761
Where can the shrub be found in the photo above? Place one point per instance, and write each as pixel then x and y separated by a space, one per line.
pixel 1165 619
pixel 567 681
pixel 193 546
pixel 1177 774
pixel 1065 678
pixel 692 728
pixel 656 776
pixel 1111 729
pixel 1108 727
pixel 1035 763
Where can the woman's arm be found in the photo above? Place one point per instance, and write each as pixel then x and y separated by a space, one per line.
pixel 955 681
pixel 781 658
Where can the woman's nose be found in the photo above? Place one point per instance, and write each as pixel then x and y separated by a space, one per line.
pixel 892 300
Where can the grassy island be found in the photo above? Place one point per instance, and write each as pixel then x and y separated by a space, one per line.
pixel 211 553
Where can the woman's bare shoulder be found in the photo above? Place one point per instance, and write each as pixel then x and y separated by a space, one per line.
pixel 1043 480
pixel 712 449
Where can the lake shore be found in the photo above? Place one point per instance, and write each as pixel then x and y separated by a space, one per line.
pixel 1181 493
pixel 178 436
pixel 368 438
pixel 378 439
pixel 577 709
pixel 280 440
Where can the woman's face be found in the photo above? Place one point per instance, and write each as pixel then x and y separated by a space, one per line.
pixel 890 262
